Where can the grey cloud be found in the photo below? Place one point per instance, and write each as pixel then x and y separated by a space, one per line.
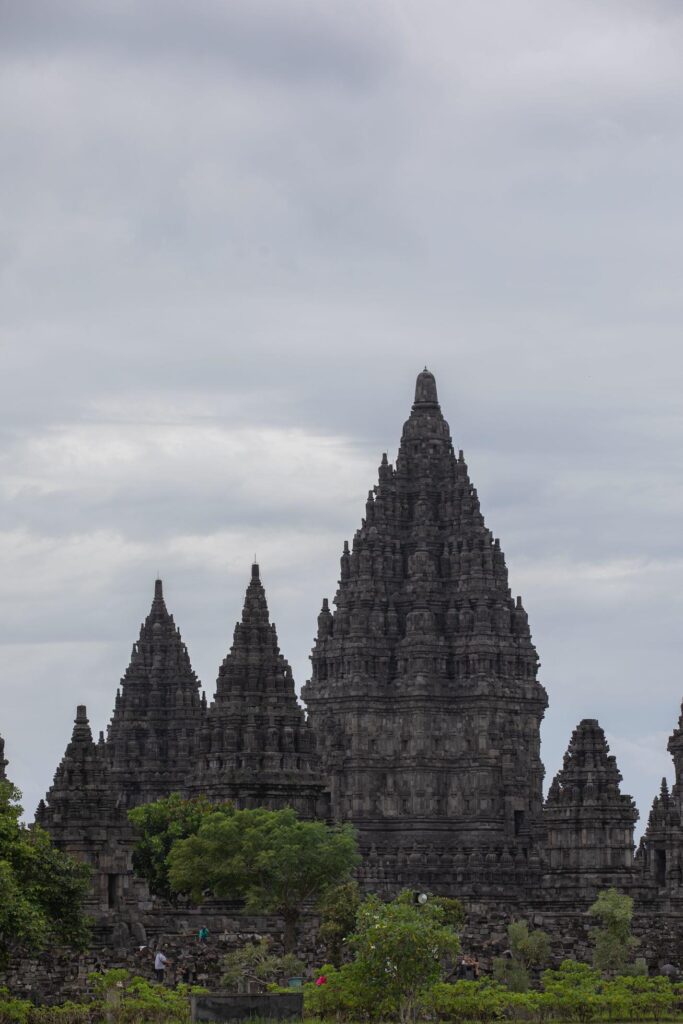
pixel 225 217
pixel 299 42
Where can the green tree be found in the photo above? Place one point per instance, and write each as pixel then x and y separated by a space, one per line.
pixel 273 861
pixel 527 950
pixel 159 825
pixel 613 942
pixel 402 949
pixel 255 962
pixel 338 909
pixel 454 912
pixel 41 889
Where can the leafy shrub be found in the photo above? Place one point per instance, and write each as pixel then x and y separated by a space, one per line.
pixel 126 999
pixel 345 996
pixel 401 949
pixel 12 1010
pixel 255 962
pixel 574 992
pixel 468 1000
pixel 613 942
pixel 339 910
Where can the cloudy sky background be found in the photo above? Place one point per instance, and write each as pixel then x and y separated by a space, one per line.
pixel 231 235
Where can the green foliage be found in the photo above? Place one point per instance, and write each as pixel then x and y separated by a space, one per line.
pixel 255 962
pixel 511 973
pixel 468 1001
pixel 41 889
pixel 339 909
pixel 401 948
pixel 269 858
pixel 346 995
pixel 119 998
pixel 575 992
pixel 454 911
pixel 613 942
pixel 528 949
pixel 12 1010
pixel 159 825
pixel 532 949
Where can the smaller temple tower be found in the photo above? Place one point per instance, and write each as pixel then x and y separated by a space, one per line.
pixel 3 762
pixel 660 853
pixel 256 748
pixel 152 736
pixel 85 816
pixel 589 822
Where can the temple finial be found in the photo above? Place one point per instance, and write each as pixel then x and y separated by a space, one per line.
pixel 255 570
pixel 425 389
pixel 81 733
pixel 158 590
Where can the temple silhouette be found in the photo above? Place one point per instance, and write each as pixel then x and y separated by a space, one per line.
pixel 422 726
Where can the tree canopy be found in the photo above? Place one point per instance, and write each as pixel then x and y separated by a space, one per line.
pixel 527 949
pixel 338 910
pixel 401 949
pixel 273 861
pixel 159 825
pixel 41 889
pixel 613 942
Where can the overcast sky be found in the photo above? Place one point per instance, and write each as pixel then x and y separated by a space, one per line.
pixel 232 234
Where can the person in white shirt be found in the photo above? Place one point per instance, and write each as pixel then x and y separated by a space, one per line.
pixel 160 962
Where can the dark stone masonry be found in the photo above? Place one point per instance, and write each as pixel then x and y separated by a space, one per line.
pixel 423 729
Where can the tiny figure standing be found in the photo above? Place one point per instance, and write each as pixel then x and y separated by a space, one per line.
pixel 160 962
pixel 203 933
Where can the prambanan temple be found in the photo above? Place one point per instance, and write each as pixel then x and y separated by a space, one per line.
pixel 422 724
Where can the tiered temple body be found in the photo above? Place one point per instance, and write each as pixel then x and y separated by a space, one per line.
pixel 424 694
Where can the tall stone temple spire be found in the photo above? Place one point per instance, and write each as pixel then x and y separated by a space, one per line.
pixel 423 692
pixel 256 748
pixel 158 711
pixel 589 820
pixel 3 762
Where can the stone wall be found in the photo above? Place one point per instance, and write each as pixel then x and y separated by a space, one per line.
pixel 57 975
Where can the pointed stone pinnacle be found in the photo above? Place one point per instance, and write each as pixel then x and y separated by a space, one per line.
pixel 81 731
pixel 425 389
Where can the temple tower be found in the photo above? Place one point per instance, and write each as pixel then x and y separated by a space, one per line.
pixel 85 816
pixel 423 693
pixel 589 821
pixel 256 748
pixel 152 736
pixel 660 852
pixel 675 748
pixel 3 761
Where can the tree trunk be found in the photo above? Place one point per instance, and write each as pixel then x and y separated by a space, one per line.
pixel 289 937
